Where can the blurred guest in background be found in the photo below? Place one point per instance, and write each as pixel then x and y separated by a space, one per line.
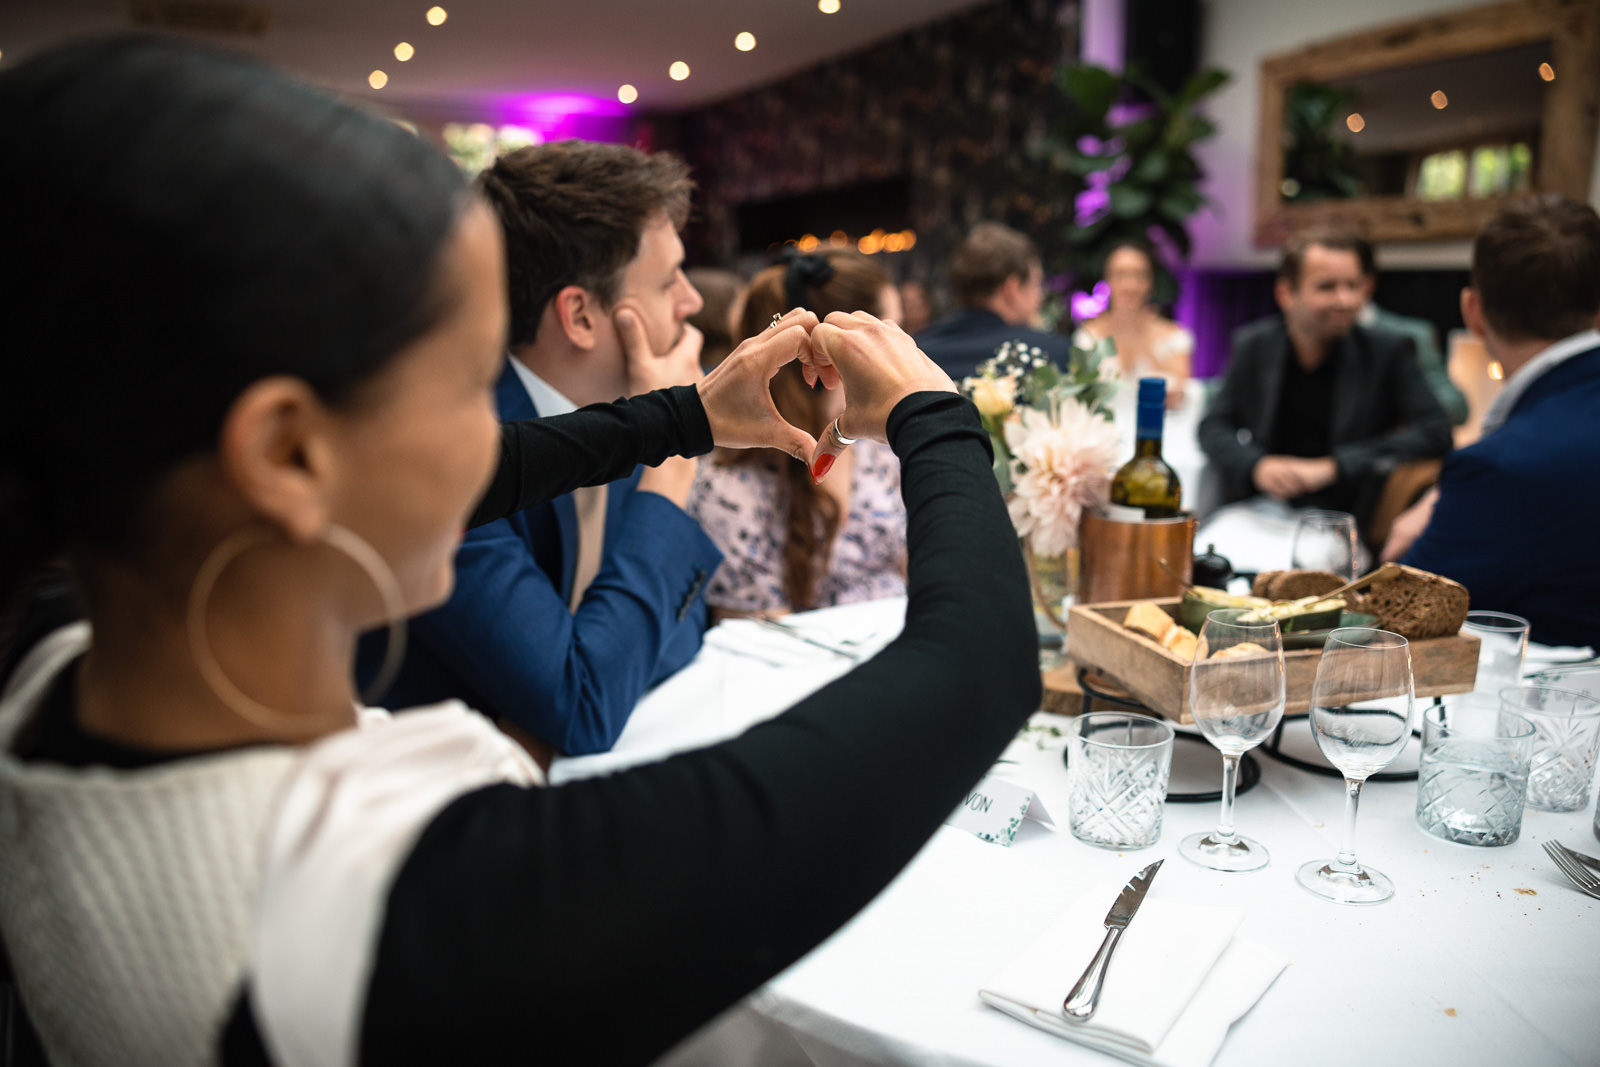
pixel 1148 343
pixel 1514 516
pixel 1314 409
pixel 1422 335
pixel 718 318
pixel 791 542
pixel 999 281
pixel 564 614
pixel 916 306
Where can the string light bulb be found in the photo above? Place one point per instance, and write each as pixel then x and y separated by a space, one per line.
pixel 437 15
pixel 627 94
pixel 403 51
pixel 745 42
pixel 678 71
pixel 377 79
pixel 1440 101
pixel 1356 122
pixel 1547 72
pixel 828 7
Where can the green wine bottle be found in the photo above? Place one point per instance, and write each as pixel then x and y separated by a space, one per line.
pixel 1145 487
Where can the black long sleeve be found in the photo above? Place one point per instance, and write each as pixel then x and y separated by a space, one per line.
pixel 540 459
pixel 618 914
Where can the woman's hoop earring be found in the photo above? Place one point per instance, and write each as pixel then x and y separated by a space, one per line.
pixel 230 548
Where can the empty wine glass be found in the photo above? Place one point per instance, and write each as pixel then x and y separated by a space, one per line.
pixel 1326 541
pixel 1361 704
pixel 1236 695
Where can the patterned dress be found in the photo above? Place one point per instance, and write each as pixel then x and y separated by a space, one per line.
pixel 743 507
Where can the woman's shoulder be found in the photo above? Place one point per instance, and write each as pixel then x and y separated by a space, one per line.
pixel 1172 336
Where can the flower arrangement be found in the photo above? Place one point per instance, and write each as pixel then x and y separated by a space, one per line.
pixel 1054 443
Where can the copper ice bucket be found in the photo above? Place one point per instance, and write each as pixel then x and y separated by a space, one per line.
pixel 1122 559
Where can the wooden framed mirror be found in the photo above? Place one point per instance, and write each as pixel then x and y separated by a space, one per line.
pixel 1420 130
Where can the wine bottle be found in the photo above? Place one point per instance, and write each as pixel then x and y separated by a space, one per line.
pixel 1145 487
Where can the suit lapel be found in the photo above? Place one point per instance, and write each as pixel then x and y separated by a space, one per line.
pixel 1271 379
pixel 513 401
pixel 1355 374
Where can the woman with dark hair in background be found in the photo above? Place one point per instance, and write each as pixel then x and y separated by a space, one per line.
pixel 722 309
pixel 1148 343
pixel 790 541
pixel 251 335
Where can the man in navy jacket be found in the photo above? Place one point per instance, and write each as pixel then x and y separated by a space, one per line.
pixel 554 629
pixel 1514 516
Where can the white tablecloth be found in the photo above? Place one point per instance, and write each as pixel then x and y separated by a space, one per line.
pixel 1484 955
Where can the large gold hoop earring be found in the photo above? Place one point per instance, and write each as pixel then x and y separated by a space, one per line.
pixel 229 549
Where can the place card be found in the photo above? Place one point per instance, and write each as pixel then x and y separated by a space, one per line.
pixel 994 808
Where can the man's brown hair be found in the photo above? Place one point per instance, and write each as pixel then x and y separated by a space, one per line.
pixel 990 254
pixel 1536 268
pixel 573 213
pixel 1293 261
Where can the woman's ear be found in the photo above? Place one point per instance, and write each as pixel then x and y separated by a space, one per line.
pixel 579 316
pixel 275 450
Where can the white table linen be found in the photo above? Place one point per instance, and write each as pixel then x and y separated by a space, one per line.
pixel 1485 955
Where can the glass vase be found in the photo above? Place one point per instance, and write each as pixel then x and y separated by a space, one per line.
pixel 1055 587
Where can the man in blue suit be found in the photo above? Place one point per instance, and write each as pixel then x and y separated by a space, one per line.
pixel 999 281
pixel 564 614
pixel 1514 516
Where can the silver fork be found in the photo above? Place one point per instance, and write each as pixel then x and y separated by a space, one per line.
pixel 1573 854
pixel 1576 873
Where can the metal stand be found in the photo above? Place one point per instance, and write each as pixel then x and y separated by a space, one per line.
pixel 1249 769
pixel 1272 746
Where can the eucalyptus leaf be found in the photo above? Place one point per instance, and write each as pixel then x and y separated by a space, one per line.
pixel 1092 88
pixel 1128 201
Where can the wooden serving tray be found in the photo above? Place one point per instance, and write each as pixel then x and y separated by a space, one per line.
pixel 1154 676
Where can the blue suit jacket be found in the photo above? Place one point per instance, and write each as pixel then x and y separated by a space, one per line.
pixel 1517 512
pixel 959 342
pixel 507 643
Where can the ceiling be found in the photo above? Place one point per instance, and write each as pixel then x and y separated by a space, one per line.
pixel 489 56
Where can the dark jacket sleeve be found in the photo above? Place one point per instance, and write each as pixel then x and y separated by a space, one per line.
pixel 618 914
pixel 541 459
pixel 1234 455
pixel 1420 429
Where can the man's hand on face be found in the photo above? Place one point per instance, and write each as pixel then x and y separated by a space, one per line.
pixel 648 370
pixel 1287 477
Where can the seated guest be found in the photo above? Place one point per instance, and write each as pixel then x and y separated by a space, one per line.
pixel 999 282
pixel 1314 409
pixel 719 315
pixel 790 542
pixel 1148 343
pixel 207 854
pixel 1514 516
pixel 1422 334
pixel 916 306
pixel 564 614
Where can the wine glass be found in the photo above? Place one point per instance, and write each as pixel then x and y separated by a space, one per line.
pixel 1236 695
pixel 1326 541
pixel 1361 704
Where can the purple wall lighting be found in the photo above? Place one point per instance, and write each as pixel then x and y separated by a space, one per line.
pixel 558 116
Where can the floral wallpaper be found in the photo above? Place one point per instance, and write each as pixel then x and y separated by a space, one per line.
pixel 951 106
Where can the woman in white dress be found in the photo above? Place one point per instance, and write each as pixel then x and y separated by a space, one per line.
pixel 1148 343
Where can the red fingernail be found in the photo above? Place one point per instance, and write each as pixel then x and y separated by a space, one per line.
pixel 822 466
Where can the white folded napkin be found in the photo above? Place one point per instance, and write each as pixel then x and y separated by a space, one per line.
pixel 1177 981
pixel 1552 655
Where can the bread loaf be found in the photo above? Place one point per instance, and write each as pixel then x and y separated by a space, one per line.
pixel 1292 585
pixel 1414 604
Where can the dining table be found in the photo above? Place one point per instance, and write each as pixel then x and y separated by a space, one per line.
pixel 1483 956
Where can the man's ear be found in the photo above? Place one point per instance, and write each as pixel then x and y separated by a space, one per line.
pixel 1472 311
pixel 1283 293
pixel 276 451
pixel 579 316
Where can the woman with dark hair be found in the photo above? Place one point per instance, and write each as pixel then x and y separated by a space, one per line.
pixel 1148 343
pixel 277 322
pixel 791 541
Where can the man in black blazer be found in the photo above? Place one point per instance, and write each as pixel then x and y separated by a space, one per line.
pixel 1314 409
pixel 999 281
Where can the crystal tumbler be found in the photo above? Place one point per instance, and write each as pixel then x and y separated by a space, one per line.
pixel 1117 769
pixel 1567 735
pixel 1473 775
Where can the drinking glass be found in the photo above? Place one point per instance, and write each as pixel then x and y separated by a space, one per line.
pixel 1361 704
pixel 1236 695
pixel 1118 764
pixel 1326 541
pixel 1566 736
pixel 1472 780
pixel 1502 642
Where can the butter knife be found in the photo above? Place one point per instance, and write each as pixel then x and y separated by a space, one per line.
pixel 1085 996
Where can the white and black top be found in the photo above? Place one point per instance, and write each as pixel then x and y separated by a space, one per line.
pixel 409 896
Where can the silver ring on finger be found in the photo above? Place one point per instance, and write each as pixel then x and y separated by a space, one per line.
pixel 838 435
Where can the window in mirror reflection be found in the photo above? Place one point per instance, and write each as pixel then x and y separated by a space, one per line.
pixel 1447 129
